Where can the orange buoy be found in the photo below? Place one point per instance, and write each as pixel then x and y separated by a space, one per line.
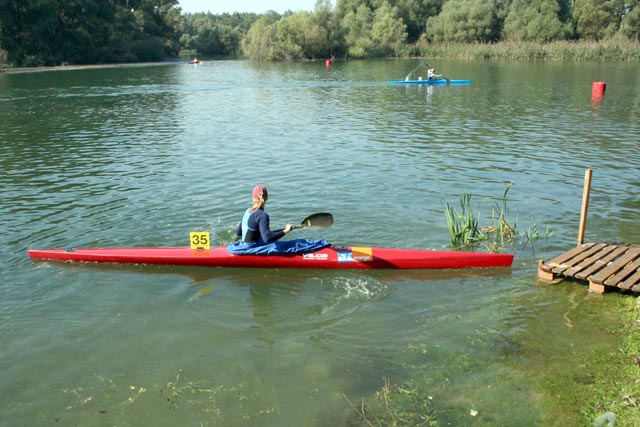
pixel 597 89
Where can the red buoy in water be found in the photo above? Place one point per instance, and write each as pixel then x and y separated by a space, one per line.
pixel 328 62
pixel 597 89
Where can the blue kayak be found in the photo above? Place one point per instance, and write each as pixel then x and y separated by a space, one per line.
pixel 429 82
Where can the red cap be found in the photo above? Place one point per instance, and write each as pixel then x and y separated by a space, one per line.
pixel 260 192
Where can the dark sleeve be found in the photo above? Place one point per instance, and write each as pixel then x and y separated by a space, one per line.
pixel 239 231
pixel 268 236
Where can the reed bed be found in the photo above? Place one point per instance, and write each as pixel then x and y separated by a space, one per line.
pixel 528 51
pixel 465 230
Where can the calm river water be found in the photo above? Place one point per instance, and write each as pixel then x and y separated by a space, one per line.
pixel 141 156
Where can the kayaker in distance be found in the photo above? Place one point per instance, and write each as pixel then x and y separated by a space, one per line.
pixel 254 227
pixel 431 74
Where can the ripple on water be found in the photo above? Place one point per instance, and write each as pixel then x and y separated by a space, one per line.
pixel 141 156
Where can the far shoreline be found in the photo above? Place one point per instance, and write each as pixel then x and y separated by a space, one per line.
pixel 22 70
pixel 558 51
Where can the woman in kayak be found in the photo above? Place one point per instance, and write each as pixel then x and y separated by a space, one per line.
pixel 254 227
pixel 431 74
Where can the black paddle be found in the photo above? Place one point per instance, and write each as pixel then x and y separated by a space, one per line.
pixel 317 220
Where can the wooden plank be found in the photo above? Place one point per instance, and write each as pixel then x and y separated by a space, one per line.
pixel 615 266
pixel 584 259
pixel 562 258
pixel 601 263
pixel 623 274
pixel 603 250
pixel 573 262
pixel 631 281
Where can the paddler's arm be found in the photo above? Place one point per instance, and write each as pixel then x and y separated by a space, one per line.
pixel 267 235
pixel 287 228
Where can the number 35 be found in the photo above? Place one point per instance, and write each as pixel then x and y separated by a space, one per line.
pixel 200 240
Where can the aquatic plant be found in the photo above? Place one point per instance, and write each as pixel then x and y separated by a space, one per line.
pixel 465 231
pixel 395 405
pixel 463 225
pixel 500 228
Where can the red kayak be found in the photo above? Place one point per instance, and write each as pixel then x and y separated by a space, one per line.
pixel 327 258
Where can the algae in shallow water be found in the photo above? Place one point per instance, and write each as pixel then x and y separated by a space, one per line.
pixel 565 363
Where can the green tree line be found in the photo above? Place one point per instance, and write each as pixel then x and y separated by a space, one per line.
pixel 374 28
pixel 44 32
pixel 48 32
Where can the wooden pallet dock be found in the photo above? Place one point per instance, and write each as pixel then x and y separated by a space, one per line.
pixel 601 264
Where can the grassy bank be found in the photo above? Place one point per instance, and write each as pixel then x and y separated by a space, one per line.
pixel 588 379
pixel 617 390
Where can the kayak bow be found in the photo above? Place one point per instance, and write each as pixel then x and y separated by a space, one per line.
pixel 328 258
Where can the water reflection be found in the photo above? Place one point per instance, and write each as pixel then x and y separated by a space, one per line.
pixel 596 101
pixel 293 277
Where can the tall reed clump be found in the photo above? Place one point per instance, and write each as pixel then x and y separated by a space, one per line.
pixel 609 50
pixel 463 225
pixel 500 228
pixel 465 230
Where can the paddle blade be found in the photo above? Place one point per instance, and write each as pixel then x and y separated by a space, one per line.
pixel 318 220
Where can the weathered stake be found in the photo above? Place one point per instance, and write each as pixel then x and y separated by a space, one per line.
pixel 585 205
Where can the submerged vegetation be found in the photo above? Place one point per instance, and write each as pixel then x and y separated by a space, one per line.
pixel 465 230
pixel 553 372
pixel 395 405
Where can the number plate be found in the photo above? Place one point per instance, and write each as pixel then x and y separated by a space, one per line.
pixel 200 240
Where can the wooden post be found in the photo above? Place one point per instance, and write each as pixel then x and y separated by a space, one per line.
pixel 594 288
pixel 585 205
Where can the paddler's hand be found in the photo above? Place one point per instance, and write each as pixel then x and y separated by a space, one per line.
pixel 287 228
